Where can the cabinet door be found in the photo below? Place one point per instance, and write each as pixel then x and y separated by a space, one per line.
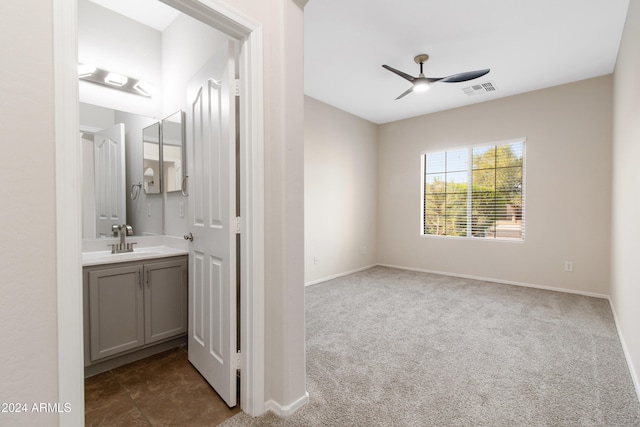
pixel 116 310
pixel 166 300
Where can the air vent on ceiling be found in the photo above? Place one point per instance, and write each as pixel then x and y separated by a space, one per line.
pixel 479 88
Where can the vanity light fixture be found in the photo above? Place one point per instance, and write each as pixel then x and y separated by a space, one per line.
pixel 90 73
pixel 116 79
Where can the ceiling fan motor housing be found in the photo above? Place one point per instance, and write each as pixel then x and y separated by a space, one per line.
pixel 421 58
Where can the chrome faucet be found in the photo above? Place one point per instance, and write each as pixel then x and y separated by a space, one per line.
pixel 122 230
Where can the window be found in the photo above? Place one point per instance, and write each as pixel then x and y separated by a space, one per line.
pixel 475 192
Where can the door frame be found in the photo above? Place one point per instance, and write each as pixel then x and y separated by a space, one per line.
pixel 68 199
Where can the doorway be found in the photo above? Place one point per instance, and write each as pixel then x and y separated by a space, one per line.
pixel 248 33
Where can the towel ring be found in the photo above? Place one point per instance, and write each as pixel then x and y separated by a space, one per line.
pixel 135 191
pixel 183 187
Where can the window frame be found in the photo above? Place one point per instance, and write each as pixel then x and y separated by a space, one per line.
pixel 470 147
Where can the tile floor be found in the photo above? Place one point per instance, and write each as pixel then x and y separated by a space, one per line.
pixel 161 390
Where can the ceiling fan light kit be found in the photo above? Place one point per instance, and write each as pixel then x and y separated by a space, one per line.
pixel 422 83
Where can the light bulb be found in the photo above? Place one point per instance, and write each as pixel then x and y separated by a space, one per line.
pixel 85 70
pixel 116 79
pixel 420 85
pixel 144 88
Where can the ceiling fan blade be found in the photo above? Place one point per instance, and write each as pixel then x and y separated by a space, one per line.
pixel 463 77
pixel 405 93
pixel 400 73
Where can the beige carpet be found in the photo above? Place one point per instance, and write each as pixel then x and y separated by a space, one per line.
pixel 388 347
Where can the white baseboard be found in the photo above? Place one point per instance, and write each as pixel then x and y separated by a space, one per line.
pixel 285 411
pixel 625 350
pixel 505 282
pixel 335 276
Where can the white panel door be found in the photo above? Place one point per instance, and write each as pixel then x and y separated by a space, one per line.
pixel 212 195
pixel 109 179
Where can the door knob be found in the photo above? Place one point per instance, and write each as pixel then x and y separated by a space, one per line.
pixel 188 236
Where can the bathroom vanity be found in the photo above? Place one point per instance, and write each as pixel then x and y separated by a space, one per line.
pixel 135 305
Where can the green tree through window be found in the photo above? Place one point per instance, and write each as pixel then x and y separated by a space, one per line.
pixel 475 192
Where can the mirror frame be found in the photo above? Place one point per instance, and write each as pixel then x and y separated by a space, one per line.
pixel 144 159
pixel 179 187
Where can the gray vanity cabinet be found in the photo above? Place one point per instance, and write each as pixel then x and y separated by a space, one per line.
pixel 116 310
pixel 165 300
pixel 134 305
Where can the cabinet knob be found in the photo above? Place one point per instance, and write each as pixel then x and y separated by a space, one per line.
pixel 188 236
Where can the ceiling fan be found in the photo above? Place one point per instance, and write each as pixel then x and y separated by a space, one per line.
pixel 421 83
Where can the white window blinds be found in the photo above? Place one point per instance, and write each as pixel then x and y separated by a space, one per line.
pixel 475 192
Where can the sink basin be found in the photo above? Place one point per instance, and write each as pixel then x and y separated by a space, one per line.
pixel 150 252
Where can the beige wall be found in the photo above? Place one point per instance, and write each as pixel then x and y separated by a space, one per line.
pixel 625 234
pixel 285 369
pixel 568 182
pixel 28 314
pixel 340 191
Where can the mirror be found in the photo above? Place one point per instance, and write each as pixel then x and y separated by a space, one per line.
pixel 145 213
pixel 173 140
pixel 133 192
pixel 151 160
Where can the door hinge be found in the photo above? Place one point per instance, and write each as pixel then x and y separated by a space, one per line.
pixel 238 361
pixel 237 87
pixel 238 225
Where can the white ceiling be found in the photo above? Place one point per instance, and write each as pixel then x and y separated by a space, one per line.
pixel 527 44
pixel 151 13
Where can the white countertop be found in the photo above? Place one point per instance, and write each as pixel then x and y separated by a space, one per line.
pixel 97 252
pixel 106 257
